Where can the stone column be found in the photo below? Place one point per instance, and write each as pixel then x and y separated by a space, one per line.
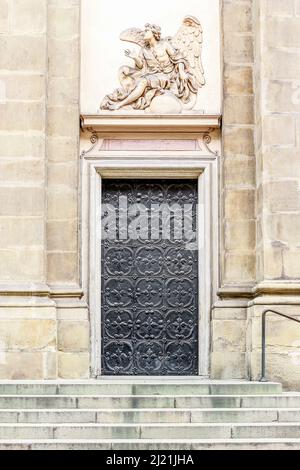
pixel 27 315
pixel 63 201
pixel 277 87
pixel 237 250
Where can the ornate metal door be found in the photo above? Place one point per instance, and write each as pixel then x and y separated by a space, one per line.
pixel 149 277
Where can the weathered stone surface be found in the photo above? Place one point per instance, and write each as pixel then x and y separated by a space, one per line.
pixel 62 267
pixel 31 261
pixel 27 334
pixel 29 16
pixel 21 365
pixel 238 80
pixel 239 110
pixel 240 204
pixel 73 365
pixel 63 22
pixel 228 364
pixel 4 16
pixel 62 235
pixel 73 336
pixel 238 141
pixel 22 53
pixel 228 335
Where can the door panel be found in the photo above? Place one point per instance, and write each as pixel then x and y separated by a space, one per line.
pixel 149 277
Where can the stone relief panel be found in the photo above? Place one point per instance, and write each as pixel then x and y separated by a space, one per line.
pixel 173 66
pixel 167 72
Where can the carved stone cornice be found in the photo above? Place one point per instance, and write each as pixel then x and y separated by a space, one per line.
pixel 125 123
pixel 40 290
pixel 264 288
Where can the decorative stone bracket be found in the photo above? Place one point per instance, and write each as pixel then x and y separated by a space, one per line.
pixel 192 126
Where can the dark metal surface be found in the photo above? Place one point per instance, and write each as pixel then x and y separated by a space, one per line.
pixel 263 339
pixel 150 288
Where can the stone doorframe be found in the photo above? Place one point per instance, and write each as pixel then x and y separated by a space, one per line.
pixel 156 165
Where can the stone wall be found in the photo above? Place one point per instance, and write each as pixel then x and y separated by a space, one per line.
pixel 277 91
pixel 260 192
pixel 43 324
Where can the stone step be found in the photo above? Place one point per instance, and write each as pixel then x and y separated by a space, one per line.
pixel 136 387
pixel 149 401
pixel 227 415
pixel 144 444
pixel 150 431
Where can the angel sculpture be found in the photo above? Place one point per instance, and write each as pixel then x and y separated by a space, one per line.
pixel 170 68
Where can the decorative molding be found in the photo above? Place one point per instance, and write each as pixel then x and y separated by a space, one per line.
pixel 40 290
pixel 251 292
pixel 105 125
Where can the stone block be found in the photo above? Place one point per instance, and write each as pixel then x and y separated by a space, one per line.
pixel 64 58
pixel 62 267
pixel 239 110
pixel 239 204
pixel 22 265
pixel 62 204
pixel 22 116
pixel 283 32
pixel 21 231
pixel 62 235
pixel 63 174
pixel 62 149
pixel 30 170
pixel 50 365
pixel 4 19
pixel 230 313
pixel 63 91
pixel 238 80
pixel 228 365
pixel 73 365
pixel 279 130
pixel 22 145
pixel 280 8
pixel 281 163
pixel 282 196
pixel 284 228
pixel 283 96
pixel 239 171
pixel 239 268
pixel 63 22
pixel 282 64
pixel 63 121
pixel 73 336
pixel 26 201
pixel 237 17
pixel 240 235
pixel 238 49
pixel 21 365
pixel 292 264
pixel 281 366
pixel 29 16
pixel 228 335
pixel 27 334
pixel 238 141
pixel 23 53
pixel 25 87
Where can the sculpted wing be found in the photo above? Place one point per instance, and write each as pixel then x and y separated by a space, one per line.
pixel 134 35
pixel 189 41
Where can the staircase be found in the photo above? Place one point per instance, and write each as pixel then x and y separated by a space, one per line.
pixel 148 414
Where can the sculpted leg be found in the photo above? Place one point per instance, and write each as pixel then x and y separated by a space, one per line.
pixel 134 95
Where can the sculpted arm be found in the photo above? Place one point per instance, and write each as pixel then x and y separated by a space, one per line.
pixel 138 58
